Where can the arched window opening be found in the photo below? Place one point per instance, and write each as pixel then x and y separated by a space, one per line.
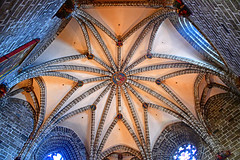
pixel 186 152
pixel 54 156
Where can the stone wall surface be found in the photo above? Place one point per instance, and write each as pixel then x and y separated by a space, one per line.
pixel 22 21
pixel 223 118
pixel 16 124
pixel 219 20
pixel 61 140
pixel 172 137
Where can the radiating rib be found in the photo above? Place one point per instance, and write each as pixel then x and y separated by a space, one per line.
pixel 105 137
pixel 135 117
pixel 135 93
pixel 160 12
pixel 49 69
pixel 102 94
pixel 190 116
pixel 96 22
pixel 148 142
pixel 139 97
pixel 197 97
pixel 37 140
pixel 137 43
pixel 119 102
pixel 150 79
pixel 153 35
pixel 79 98
pixel 67 107
pixel 230 81
pixel 35 103
pixel 103 118
pixel 158 96
pixel 40 74
pixel 140 60
pixel 86 36
pixel 95 79
pixel 176 115
pixel 225 88
pixel 166 110
pixel 205 92
pixel 40 115
pixel 71 114
pixel 181 72
pixel 134 136
pixel 163 66
pixel 100 41
pixel 119 58
pixel 93 120
pixel 59 106
pixel 201 130
pixel 93 117
pixel 72 68
pixel 179 102
pixel 42 102
pixel 55 61
pixel 98 60
pixel 198 63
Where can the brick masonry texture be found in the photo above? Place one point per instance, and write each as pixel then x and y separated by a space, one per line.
pixel 16 124
pixel 220 21
pixel 22 21
pixel 62 140
pixel 172 137
pixel 223 118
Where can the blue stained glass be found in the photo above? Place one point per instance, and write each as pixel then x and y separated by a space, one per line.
pixel 54 156
pixel 186 152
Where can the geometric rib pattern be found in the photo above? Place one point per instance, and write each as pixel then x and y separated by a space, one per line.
pixel 119 79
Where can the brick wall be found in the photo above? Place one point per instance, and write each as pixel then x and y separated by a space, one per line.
pixel 223 118
pixel 22 21
pixel 16 124
pixel 220 21
pixel 172 137
pixel 64 141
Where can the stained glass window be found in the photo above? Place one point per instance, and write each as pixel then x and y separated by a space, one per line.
pixel 54 156
pixel 186 152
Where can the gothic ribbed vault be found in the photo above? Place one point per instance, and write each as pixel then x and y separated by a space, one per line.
pixel 124 82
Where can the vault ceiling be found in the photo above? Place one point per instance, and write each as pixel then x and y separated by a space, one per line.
pixel 115 77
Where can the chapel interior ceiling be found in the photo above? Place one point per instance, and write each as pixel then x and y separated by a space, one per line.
pixel 115 81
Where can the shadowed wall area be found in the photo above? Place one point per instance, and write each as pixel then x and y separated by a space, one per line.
pixel 16 126
pixel 223 118
pixel 173 137
pixel 61 140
